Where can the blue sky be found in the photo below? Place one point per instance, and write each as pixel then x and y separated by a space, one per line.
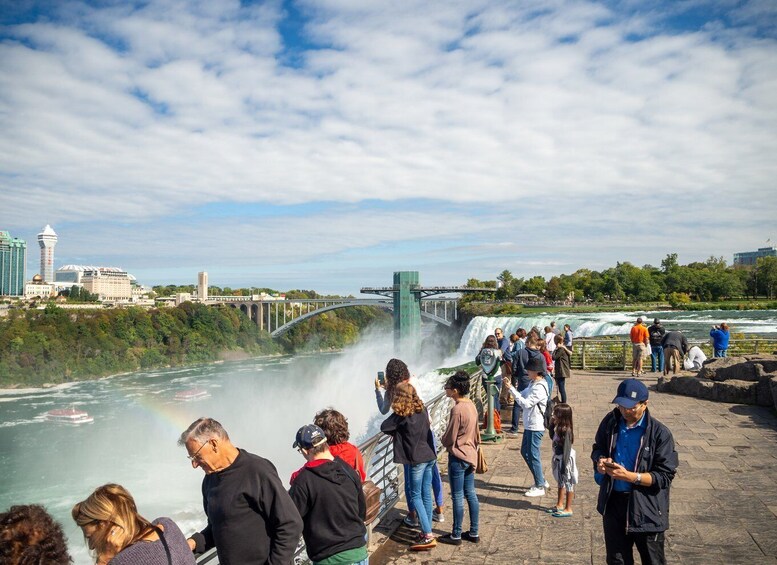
pixel 326 144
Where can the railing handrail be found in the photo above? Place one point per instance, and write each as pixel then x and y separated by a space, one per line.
pixel 378 454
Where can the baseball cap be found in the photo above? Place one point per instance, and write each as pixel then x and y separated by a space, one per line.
pixel 535 364
pixel 308 436
pixel 630 393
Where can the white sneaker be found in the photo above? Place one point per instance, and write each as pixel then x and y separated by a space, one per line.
pixel 547 485
pixel 535 491
pixel 438 516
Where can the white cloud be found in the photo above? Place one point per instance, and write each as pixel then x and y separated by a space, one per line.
pixel 139 115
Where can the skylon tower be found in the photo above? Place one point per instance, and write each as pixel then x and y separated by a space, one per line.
pixel 47 240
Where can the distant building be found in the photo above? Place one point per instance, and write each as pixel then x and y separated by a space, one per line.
pixel 47 240
pixel 750 257
pixel 108 283
pixel 13 265
pixel 39 288
pixel 202 286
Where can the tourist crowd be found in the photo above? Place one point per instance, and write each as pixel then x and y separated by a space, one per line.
pixel 253 519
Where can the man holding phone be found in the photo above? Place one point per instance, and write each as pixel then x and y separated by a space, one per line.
pixel 634 464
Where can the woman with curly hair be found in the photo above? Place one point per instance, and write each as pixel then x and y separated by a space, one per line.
pixel 397 372
pixel 335 427
pixel 413 446
pixel 29 536
pixel 118 535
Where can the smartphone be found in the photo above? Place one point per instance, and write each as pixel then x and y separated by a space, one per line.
pixel 610 464
pixel 381 377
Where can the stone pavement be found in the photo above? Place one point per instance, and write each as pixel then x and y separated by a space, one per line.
pixel 723 498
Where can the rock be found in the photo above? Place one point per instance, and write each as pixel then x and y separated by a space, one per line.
pixel 735 391
pixel 744 368
pixel 773 386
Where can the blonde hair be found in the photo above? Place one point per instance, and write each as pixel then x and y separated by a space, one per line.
pixel 113 509
pixel 406 401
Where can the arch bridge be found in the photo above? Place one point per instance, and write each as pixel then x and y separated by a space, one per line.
pixel 279 315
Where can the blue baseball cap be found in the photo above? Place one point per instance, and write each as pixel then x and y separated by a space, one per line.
pixel 630 393
pixel 309 436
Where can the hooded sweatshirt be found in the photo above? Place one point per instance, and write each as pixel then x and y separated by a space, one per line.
pixel 329 497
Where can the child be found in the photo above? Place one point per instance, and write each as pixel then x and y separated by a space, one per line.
pixel 563 465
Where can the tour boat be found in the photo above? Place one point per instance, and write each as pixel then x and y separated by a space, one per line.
pixel 69 416
pixel 191 394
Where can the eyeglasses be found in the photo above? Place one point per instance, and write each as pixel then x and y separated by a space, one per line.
pixel 196 453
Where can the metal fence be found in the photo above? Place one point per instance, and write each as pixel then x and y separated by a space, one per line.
pixel 378 456
pixel 615 354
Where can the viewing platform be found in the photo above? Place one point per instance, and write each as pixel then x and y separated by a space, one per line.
pixel 723 499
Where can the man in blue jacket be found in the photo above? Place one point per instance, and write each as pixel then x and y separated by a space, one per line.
pixel 720 336
pixel 634 464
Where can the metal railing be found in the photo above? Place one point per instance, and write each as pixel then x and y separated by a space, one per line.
pixel 615 354
pixel 378 454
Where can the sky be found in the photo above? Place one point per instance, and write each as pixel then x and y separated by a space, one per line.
pixel 326 144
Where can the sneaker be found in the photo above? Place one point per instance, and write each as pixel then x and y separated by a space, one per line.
pixel 424 543
pixel 511 432
pixel 438 516
pixel 411 522
pixel 474 539
pixel 448 539
pixel 535 491
pixel 547 485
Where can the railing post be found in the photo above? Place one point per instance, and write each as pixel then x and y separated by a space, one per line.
pixel 755 348
pixel 582 354
pixel 625 356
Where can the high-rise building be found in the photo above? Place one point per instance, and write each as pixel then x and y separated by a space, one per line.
pixel 47 240
pixel 108 283
pixel 202 286
pixel 750 257
pixel 13 265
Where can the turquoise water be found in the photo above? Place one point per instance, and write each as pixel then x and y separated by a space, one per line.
pixel 133 439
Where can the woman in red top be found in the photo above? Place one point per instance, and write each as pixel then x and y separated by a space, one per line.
pixel 335 428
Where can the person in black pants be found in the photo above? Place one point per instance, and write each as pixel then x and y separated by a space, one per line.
pixel 634 464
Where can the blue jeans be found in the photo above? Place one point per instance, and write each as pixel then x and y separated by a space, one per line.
pixel 657 358
pixel 515 420
pixel 530 449
pixel 561 384
pixel 462 478
pixel 421 493
pixel 720 353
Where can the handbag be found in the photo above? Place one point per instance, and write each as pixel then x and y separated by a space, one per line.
pixel 482 466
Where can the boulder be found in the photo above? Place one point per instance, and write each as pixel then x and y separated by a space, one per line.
pixel 773 386
pixel 736 391
pixel 743 368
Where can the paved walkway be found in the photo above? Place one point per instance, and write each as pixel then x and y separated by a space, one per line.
pixel 723 499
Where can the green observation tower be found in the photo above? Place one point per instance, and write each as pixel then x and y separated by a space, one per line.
pixel 407 294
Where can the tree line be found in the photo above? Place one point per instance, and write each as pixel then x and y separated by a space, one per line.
pixel 710 280
pixel 56 345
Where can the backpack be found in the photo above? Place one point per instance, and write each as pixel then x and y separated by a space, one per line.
pixel 372 500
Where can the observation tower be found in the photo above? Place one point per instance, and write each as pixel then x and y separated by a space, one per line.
pixel 47 240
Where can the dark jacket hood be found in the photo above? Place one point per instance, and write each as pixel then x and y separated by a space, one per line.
pixel 332 471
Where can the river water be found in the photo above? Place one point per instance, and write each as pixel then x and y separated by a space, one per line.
pixel 695 325
pixel 261 402
pixel 137 421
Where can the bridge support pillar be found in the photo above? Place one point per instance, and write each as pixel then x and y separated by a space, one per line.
pixel 407 313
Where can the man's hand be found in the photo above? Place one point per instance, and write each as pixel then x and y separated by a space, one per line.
pixel 617 471
pixel 600 467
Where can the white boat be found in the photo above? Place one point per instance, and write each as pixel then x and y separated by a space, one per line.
pixel 69 416
pixel 191 394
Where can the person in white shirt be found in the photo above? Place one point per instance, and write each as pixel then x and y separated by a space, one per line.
pixel 694 359
pixel 534 401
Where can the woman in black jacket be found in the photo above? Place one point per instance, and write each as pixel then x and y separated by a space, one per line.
pixel 409 426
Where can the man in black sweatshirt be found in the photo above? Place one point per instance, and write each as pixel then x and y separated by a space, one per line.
pixel 251 519
pixel 328 494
